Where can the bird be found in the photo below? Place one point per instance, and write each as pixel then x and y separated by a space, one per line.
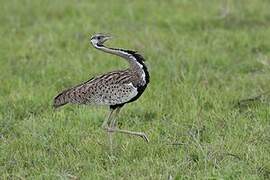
pixel 114 89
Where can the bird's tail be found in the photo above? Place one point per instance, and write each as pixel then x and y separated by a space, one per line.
pixel 61 99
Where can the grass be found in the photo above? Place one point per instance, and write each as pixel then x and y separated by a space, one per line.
pixel 201 65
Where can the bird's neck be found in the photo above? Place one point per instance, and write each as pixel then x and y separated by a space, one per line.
pixel 126 54
pixel 135 60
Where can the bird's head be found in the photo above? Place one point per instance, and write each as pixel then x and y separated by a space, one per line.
pixel 99 39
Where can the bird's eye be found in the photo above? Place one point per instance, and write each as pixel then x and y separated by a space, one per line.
pixel 98 37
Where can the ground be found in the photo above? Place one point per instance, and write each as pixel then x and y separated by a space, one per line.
pixel 204 57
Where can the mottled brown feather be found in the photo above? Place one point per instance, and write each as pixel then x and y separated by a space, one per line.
pixel 108 89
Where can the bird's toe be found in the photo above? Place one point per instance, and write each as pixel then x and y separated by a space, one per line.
pixel 144 136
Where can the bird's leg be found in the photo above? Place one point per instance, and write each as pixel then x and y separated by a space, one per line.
pixel 105 126
pixel 107 120
pixel 139 134
pixel 112 123
pixel 112 128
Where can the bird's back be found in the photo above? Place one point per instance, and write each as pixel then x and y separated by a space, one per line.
pixel 113 88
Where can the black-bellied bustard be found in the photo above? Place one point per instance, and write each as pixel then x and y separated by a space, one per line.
pixel 114 89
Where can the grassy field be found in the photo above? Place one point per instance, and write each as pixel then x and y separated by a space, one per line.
pixel 204 58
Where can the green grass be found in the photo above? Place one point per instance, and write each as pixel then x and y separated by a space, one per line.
pixel 201 65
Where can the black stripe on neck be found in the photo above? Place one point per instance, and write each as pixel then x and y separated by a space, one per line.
pixel 139 58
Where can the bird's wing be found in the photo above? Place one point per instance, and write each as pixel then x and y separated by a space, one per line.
pixel 108 89
pixel 115 94
pixel 111 89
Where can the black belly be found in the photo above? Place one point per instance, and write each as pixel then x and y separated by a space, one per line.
pixel 140 90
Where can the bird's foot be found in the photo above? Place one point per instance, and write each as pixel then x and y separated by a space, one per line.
pixel 139 134
pixel 144 136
